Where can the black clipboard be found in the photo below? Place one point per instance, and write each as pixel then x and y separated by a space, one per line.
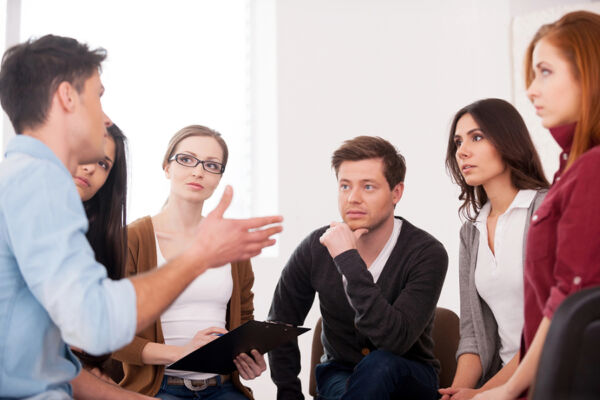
pixel 217 356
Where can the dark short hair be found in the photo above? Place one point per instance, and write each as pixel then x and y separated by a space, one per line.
pixel 368 147
pixel 32 71
pixel 504 127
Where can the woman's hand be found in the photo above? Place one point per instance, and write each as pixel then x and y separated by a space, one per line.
pixel 200 339
pixel 458 393
pixel 498 393
pixel 250 367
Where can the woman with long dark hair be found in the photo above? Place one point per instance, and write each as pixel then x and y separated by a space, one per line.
pixel 563 245
pixel 492 158
pixel 106 207
pixel 102 187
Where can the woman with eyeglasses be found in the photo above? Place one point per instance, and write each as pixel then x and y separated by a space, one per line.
pixel 217 301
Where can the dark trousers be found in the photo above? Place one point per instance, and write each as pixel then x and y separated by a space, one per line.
pixel 222 391
pixel 380 375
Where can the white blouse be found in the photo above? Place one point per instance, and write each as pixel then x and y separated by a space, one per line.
pixel 499 276
pixel 201 305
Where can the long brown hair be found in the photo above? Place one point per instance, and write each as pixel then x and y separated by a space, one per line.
pixel 504 127
pixel 577 36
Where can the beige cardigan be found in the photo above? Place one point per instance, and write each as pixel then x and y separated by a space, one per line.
pixel 146 379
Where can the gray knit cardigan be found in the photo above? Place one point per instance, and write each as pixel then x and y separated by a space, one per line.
pixel 478 328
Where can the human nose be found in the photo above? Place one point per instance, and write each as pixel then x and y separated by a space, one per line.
pixel 198 170
pixel 89 168
pixel 354 196
pixel 533 90
pixel 462 151
pixel 107 121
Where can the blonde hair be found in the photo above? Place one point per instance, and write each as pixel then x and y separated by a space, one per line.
pixel 194 130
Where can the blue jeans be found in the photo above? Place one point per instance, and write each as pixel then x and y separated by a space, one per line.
pixel 222 391
pixel 380 375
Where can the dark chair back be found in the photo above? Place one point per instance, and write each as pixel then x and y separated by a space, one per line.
pixel 569 367
pixel 445 335
pixel 315 357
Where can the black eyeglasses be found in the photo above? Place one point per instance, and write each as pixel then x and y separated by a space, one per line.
pixel 190 161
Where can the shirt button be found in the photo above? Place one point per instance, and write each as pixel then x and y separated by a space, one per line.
pixel 365 351
pixel 565 156
pixel 577 280
pixel 534 218
pixel 558 179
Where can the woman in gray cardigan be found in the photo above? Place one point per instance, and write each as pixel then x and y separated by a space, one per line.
pixel 492 158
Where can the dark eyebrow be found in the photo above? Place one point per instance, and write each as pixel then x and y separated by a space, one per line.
pixel 108 158
pixel 191 153
pixel 360 181
pixel 472 131
pixel 101 90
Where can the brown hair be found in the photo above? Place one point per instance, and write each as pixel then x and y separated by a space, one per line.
pixel 577 36
pixel 367 147
pixel 32 71
pixel 194 130
pixel 504 127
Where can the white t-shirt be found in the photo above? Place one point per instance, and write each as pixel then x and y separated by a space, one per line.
pixel 499 277
pixel 201 305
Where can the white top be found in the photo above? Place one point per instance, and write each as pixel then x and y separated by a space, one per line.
pixel 377 266
pixel 499 277
pixel 201 305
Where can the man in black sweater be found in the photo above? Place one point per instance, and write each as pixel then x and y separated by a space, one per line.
pixel 378 277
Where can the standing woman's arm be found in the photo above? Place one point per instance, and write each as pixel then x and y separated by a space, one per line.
pixel 523 376
pixel 577 264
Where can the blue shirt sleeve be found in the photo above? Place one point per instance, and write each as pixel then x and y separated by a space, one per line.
pixel 46 229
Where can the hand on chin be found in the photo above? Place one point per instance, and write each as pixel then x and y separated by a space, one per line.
pixel 356 224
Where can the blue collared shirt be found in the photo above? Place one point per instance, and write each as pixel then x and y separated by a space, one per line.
pixel 52 290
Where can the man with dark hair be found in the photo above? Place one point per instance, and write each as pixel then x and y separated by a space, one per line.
pixel 52 290
pixel 378 278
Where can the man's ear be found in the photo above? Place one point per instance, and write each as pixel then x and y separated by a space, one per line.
pixel 66 94
pixel 397 192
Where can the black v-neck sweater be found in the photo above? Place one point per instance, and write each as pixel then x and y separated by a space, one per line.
pixel 394 314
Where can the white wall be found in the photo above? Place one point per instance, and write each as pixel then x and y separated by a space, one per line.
pixel 396 69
